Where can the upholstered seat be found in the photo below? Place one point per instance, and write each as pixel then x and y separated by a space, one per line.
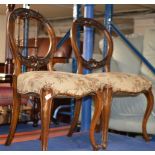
pixel 43 85
pixel 122 82
pixel 118 83
pixel 60 82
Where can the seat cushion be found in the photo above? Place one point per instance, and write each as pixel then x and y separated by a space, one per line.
pixel 60 82
pixel 122 82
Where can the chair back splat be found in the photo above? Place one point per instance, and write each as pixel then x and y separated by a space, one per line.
pixel 38 26
pixel 102 31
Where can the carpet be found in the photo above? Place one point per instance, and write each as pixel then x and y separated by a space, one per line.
pixel 80 142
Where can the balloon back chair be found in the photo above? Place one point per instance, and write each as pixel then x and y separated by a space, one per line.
pixel 118 83
pixel 77 27
pixel 44 85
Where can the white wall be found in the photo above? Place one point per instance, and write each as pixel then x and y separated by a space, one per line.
pixel 140 25
pixel 61 27
pixel 2 37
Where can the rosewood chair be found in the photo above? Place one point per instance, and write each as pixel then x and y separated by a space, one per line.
pixel 44 85
pixel 91 64
pixel 118 83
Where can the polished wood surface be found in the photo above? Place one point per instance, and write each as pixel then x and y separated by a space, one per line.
pixel 33 61
pixel 97 112
pixel 77 109
pixel 15 111
pixel 107 93
pixel 102 98
pixel 150 102
pixel 46 106
pixel 91 64
pixel 107 99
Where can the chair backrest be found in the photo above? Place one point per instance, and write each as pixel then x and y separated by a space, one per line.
pixel 101 30
pixel 24 24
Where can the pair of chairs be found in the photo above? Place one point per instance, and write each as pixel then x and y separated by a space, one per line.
pixel 47 85
pixel 44 85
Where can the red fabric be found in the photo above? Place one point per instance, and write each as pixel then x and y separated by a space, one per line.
pixel 64 51
pixel 6 96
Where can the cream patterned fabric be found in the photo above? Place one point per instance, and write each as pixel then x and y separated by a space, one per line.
pixel 122 82
pixel 60 82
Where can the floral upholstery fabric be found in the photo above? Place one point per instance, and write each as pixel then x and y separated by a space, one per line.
pixel 60 82
pixel 122 82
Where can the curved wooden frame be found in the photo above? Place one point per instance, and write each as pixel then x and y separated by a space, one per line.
pixel 107 93
pixel 36 62
pixel 92 63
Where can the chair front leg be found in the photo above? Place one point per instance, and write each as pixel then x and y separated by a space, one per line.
pixel 46 99
pixel 78 103
pixel 150 103
pixel 15 113
pixel 107 95
pixel 97 112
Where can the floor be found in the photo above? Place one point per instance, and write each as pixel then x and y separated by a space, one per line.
pixel 78 142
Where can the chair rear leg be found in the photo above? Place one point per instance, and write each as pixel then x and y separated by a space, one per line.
pixel 14 117
pixel 97 112
pixel 150 103
pixel 76 116
pixel 46 100
pixel 106 115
